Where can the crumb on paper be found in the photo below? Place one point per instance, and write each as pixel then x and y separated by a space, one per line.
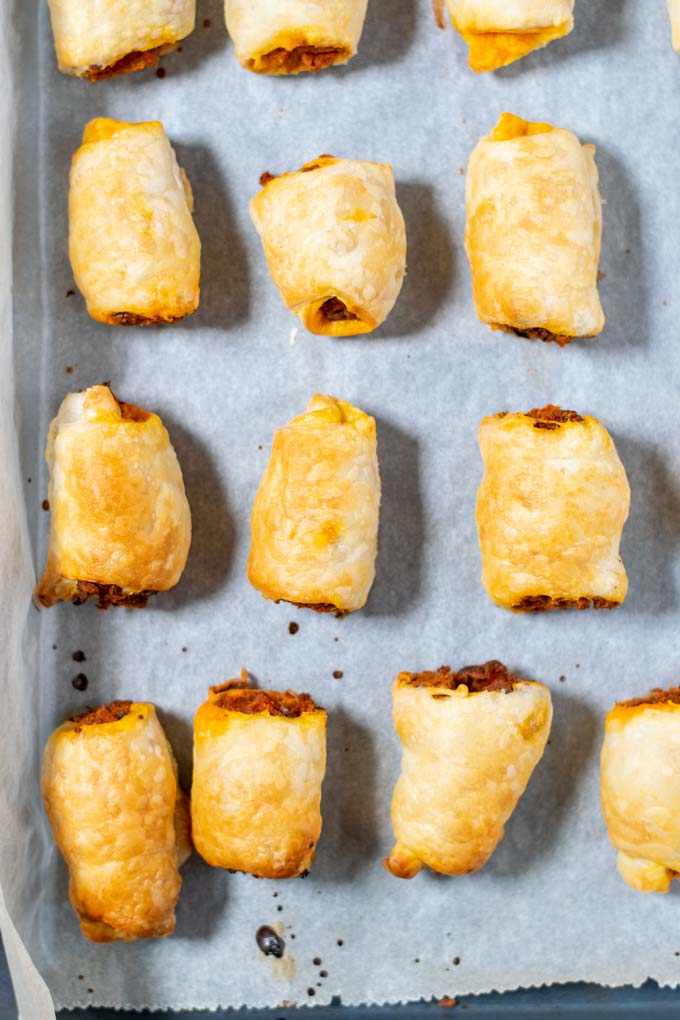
pixel 447 1002
pixel 45 504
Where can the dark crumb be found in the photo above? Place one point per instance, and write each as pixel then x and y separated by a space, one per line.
pixel 304 874
pixel 578 665
pixel 548 741
pixel 260 446
pixel 161 72
pixel 279 907
pixel 292 934
pixel 30 480
pixel 275 894
pixel 81 978
pixel 336 638
pixel 338 674
pixel 676 953
pixel 346 749
pixel 269 942
pixel 340 942
pixel 293 628
pixel 562 679
pixel 69 369
pixel 310 991
pixel 90 991
pixel 140 716
pixel 54 648
pixel 180 49
pixel 80 682
pixel 460 170
pixel 317 961
pixel 456 961
pixel 79 656
pixel 323 973
pixel 184 648
pixel 417 959
pixel 70 293
pixel 207 23
pixel 45 504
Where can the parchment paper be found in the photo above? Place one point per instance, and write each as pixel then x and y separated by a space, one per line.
pixel 550 906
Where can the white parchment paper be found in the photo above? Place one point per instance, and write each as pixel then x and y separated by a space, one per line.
pixel 550 906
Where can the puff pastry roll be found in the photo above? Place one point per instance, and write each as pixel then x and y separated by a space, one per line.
pixel 335 243
pixel 259 762
pixel 550 511
pixel 109 783
pixel 289 36
pixel 314 525
pixel 102 38
pixel 471 741
pixel 121 525
pixel 640 788
pixel 498 32
pixel 533 231
pixel 135 252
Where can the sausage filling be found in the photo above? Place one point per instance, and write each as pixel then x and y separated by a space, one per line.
pixel 135 61
pixel 491 676
pixel 110 595
pixel 302 58
pixel 335 310
pixel 541 334
pixel 236 698
pixel 542 603
pixel 655 697
pixel 104 714
pixel 551 416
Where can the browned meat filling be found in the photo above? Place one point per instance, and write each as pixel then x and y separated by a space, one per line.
pixel 491 676
pixel 542 603
pixel 130 412
pixel 543 334
pixel 132 319
pixel 265 178
pixel 110 595
pixel 237 698
pixel 551 416
pixel 302 58
pixel 104 714
pixel 319 607
pixel 335 310
pixel 657 696
pixel 135 61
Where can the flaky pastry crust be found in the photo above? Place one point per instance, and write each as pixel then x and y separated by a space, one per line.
pixel 134 249
pixel 674 13
pixel 533 231
pixel 471 741
pixel 314 525
pixel 550 511
pixel 121 524
pixel 109 783
pixel 640 788
pixel 102 38
pixel 498 32
pixel 289 36
pixel 335 243
pixel 259 762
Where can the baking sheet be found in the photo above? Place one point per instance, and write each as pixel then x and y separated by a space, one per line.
pixel 549 907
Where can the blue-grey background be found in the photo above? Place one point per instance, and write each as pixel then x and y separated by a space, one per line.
pixel 550 906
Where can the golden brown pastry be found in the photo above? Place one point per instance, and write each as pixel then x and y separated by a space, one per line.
pixel 674 13
pixel 498 32
pixel 121 525
pixel 471 741
pixel 314 525
pixel 533 232
pixel 102 38
pixel 640 788
pixel 135 252
pixel 289 36
pixel 259 762
pixel 335 243
pixel 109 782
pixel 550 511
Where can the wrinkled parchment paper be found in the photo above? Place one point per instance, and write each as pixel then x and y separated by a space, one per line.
pixel 550 906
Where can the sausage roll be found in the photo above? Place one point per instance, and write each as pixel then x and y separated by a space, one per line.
pixel 135 252
pixel 121 525
pixel 289 36
pixel 314 525
pixel 103 38
pixel 471 741
pixel 550 511
pixel 109 782
pixel 498 32
pixel 640 788
pixel 335 243
pixel 259 762
pixel 533 232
